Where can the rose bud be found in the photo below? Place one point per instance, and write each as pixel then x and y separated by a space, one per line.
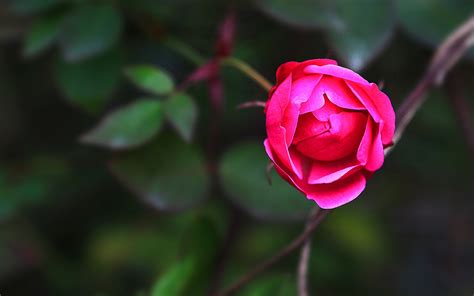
pixel 327 128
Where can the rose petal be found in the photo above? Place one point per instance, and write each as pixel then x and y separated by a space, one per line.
pixel 275 118
pixel 329 108
pixel 336 71
pixel 330 196
pixel 323 172
pixel 327 196
pixel 298 68
pixel 379 107
pixel 284 70
pixel 343 139
pixel 370 151
pixel 336 91
pixel 309 126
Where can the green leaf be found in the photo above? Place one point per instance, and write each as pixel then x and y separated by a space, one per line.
pixel 127 127
pixel 365 28
pixel 242 172
pixel 88 84
pixel 90 30
pixel 181 111
pixel 151 79
pixel 167 174
pixel 272 285
pixel 357 30
pixel 174 281
pixel 430 21
pixel 301 13
pixel 365 236
pixel 43 33
pixel 33 6
pixel 191 274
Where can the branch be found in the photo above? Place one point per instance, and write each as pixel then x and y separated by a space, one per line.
pixel 303 264
pixel 446 56
pixel 461 108
pixel 313 222
pixel 249 71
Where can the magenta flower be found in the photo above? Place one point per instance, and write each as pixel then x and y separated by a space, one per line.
pixel 327 128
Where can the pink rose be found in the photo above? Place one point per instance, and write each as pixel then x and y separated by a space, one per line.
pixel 327 129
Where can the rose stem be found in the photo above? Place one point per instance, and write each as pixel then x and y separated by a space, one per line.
pixel 249 71
pixel 447 55
pixel 303 264
pixel 313 222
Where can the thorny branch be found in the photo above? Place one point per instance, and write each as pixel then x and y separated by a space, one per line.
pixel 445 57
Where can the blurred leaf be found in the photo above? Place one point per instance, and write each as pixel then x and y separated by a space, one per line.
pixel 33 6
pixel 365 27
pixel 151 79
pixel 357 30
pixel 167 174
pixel 127 127
pixel 174 281
pixel 242 172
pixel 359 230
pixel 272 285
pixel 191 275
pixel 181 111
pixel 42 34
pixel 89 30
pixel 25 186
pixel 117 246
pixel 302 13
pixel 430 21
pixel 88 84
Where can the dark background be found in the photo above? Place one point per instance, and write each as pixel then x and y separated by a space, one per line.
pixel 169 218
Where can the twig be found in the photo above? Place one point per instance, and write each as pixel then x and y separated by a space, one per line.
pixel 250 104
pixel 249 71
pixel 303 268
pixel 447 54
pixel 313 223
pixel 461 108
pixel 303 263
pixel 223 256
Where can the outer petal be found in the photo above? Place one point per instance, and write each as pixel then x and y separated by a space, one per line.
pixel 298 68
pixel 323 172
pixel 379 107
pixel 275 118
pixel 336 71
pixel 330 196
pixel 327 196
pixel 370 151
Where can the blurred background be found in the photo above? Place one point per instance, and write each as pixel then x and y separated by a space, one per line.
pixel 114 180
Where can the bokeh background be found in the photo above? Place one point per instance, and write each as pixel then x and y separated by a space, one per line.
pixel 171 197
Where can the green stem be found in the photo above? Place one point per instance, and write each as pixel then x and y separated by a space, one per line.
pixel 249 71
pixel 185 50
pixel 194 57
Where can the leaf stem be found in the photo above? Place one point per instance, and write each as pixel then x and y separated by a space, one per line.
pixel 249 71
pixel 185 50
